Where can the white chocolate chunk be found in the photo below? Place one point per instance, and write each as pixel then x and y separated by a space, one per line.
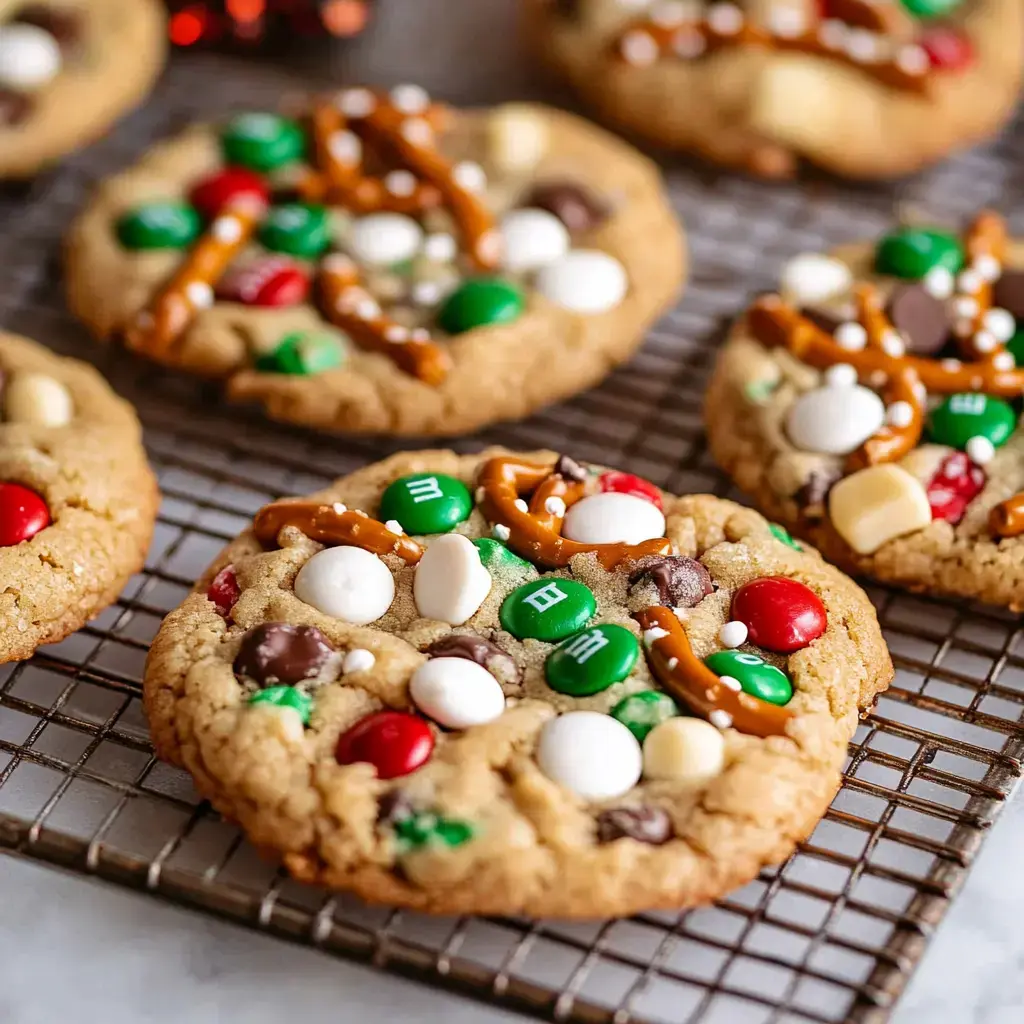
pixel 584 281
pixel 878 504
pixel 593 755
pixel 684 750
pixel 517 137
pixel 531 239
pixel 613 518
pixel 38 400
pixel 451 582
pixel 29 57
pixel 383 239
pixel 456 692
pixel 834 420
pixel 812 278
pixel 349 583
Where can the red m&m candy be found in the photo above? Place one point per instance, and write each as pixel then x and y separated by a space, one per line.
pixel 394 742
pixel 947 49
pixel 212 194
pixel 22 514
pixel 780 614
pixel 956 483
pixel 224 591
pixel 627 483
pixel 274 281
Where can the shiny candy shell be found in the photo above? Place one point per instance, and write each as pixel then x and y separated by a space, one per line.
pixel 593 755
pixel 531 239
pixel 384 239
pixel 214 193
pixel 911 252
pixel 584 281
pixel 263 141
pixel 592 660
pixel 347 583
pixel 481 302
pixel 931 8
pixel 285 697
pixel 451 582
pixel 956 483
pixel 641 712
pixel 456 693
pixel 755 675
pixel 780 614
pixel 627 483
pixel 948 49
pixel 273 281
pixel 498 559
pixel 224 590
pixel 612 518
pixel 686 750
pixel 303 353
pixel 23 514
pixel 394 742
pixel 548 609
pixel 298 229
pixel 963 416
pixel 30 57
pixel 426 503
pixel 834 420
pixel 159 225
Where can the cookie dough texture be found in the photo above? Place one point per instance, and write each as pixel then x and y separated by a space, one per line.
pixel 536 848
pixel 746 435
pixel 765 111
pixel 119 54
pixel 102 498
pixel 500 372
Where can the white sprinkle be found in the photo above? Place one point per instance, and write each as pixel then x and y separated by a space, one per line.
pixel 878 378
pixel 554 506
pixel 688 43
pixel 345 147
pixel 720 719
pixel 1004 361
pixel 900 414
pixel 981 450
pixel 426 293
pixel 396 334
pixel 969 281
pixel 359 659
pixel 842 375
pixel 725 19
pixel 470 176
pixel 965 306
pixel 672 664
pixel 339 508
pixel 417 131
pixel 912 59
pixel 892 344
pixel 787 22
pixel 521 505
pixel 394 526
pixel 669 13
pixel 400 183
pixel 861 45
pixel 938 283
pixel 733 634
pixel 227 229
pixel 639 49
pixel 682 614
pixel 986 266
pixel 338 263
pixel 832 34
pixel 441 248
pixel 501 531
pixel 985 341
pixel 1001 322
pixel 950 365
pixel 653 634
pixel 851 336
pixel 200 294
pixel 367 309
pixel 956 467
pixel 356 102
pixel 410 99
pixel 419 334
pixel 730 683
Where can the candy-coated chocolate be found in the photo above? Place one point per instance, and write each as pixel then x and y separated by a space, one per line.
pixel 299 229
pixel 475 648
pixel 285 697
pixel 780 533
pixel 681 582
pixel 612 518
pixel 159 225
pixel 626 483
pixel 216 191
pixel 497 558
pixel 948 48
pixel 641 712
pixel 575 205
pixel 956 483
pixel 450 582
pixel 416 830
pixel 224 590
pixel 911 252
pixel 303 353
pixel 426 503
pixel 780 614
pixel 274 281
pixel 456 693
pixel 481 302
pixel 23 513
pixel 263 141
pixel 931 8
pixel 281 654
pixel 644 823
pixel 964 416
pixel 592 755
pixel 755 675
pixel 394 742
pixel 592 660
pixel 548 609
pixel 347 583
pixel 1015 346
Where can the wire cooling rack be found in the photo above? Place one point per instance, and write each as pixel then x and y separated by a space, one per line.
pixel 830 936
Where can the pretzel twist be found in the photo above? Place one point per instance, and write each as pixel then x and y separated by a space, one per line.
pixel 333 525
pixel 1007 518
pixel 504 478
pixel 683 676
pixel 892 441
pixel 176 305
pixel 985 241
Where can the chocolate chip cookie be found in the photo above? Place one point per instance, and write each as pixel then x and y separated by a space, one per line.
pixel 382 263
pixel 77 498
pixel 515 683
pixel 68 70
pixel 865 88
pixel 873 405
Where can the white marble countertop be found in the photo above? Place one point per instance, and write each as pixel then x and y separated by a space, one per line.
pixel 67 943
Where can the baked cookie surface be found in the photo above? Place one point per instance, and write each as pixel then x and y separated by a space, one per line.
pixel 864 88
pixel 384 264
pixel 77 497
pixel 68 70
pixel 874 405
pixel 567 693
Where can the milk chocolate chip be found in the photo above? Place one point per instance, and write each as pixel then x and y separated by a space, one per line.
pixel 574 205
pixel 644 824
pixel 278 653
pixel 921 318
pixel 681 582
pixel 570 469
pixel 475 648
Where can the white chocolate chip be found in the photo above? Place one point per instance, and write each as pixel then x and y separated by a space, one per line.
pixel 456 692
pixel 987 267
pixel 347 583
pixel 359 659
pixel 531 239
pixel 878 504
pixel 469 176
pixel 451 582
pixel 613 518
pixel 732 634
pixel 593 755
pixel 517 138
pixel 30 57
pixel 981 450
pixel 584 281
pixel 38 400
pixel 554 506
pixel 834 420
pixel 686 750
pixel 383 239
pixel 811 278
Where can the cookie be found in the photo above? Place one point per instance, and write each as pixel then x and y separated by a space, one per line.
pixel 382 263
pixel 874 404
pixel 864 88
pixel 77 498
pixel 68 70
pixel 513 683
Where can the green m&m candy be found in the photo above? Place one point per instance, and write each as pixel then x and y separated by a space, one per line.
pixel 479 302
pixel 969 415
pixel 1015 346
pixel 925 9
pixel 303 353
pixel 426 503
pixel 780 533
pixel 162 225
pixel 641 712
pixel 299 229
pixel 912 252
pixel 498 558
pixel 754 674
pixel 263 141
pixel 592 660
pixel 285 697
pixel 420 829
pixel 547 609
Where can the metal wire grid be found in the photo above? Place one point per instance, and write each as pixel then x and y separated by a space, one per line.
pixel 829 936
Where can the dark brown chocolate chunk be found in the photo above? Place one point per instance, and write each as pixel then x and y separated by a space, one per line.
pixel 814 490
pixel 395 806
pixel 575 206
pixel 278 653
pixel 63 24
pixel 681 582
pixel 1008 293
pixel 644 824
pixel 570 469
pixel 920 317
pixel 14 107
pixel 475 648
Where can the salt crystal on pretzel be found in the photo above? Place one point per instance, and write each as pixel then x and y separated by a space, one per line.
pixel 981 330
